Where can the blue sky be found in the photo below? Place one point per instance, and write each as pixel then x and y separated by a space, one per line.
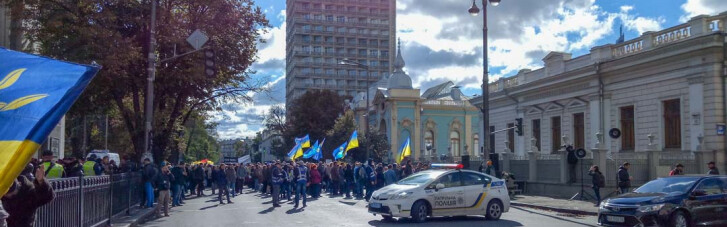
pixel 441 42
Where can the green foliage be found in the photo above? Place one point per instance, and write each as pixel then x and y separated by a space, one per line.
pixel 340 133
pixel 377 143
pixel 313 113
pixel 115 35
pixel 202 144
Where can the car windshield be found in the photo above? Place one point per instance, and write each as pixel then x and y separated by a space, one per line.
pixel 668 185
pixel 417 179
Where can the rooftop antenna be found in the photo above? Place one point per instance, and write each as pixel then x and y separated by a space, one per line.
pixel 621 34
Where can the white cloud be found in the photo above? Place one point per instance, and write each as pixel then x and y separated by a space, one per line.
pixel 640 24
pixel 694 8
pixel 274 46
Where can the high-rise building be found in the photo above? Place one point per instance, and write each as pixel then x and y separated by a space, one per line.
pixel 322 33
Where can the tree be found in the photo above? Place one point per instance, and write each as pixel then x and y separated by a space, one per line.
pixel 275 119
pixel 313 113
pixel 377 143
pixel 202 143
pixel 340 133
pixel 115 35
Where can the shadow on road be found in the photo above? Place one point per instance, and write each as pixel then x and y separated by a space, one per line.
pixel 267 210
pixel 552 216
pixel 208 207
pixel 348 203
pixel 295 210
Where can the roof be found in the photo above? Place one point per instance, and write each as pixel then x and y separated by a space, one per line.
pixel 441 89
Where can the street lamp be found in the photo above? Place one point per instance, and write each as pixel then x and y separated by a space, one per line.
pixel 474 11
pixel 347 61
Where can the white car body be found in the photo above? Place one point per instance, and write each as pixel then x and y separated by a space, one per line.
pixel 465 199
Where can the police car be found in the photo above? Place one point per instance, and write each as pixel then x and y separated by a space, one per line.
pixel 448 191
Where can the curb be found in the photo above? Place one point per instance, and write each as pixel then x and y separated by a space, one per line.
pixel 136 219
pixel 560 210
pixel 143 218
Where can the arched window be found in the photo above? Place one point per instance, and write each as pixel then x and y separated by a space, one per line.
pixel 454 143
pixel 428 142
pixel 476 145
pixel 382 126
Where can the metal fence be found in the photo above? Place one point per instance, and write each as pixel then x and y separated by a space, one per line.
pixel 89 201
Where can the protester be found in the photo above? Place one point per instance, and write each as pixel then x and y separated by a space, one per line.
pixel 389 175
pixel 149 174
pixel 3 216
pixel 89 165
pixel 598 182
pixel 348 178
pixel 24 197
pixel 315 181
pixel 624 179
pixel 178 184
pixel 241 176
pixel 380 181
pixel 231 175
pixel 211 181
pixel 370 180
pixel 712 169
pixel 73 167
pixel 164 184
pixel 678 170
pixel 276 179
pixel 218 174
pixel 301 180
pixel 359 177
pixel 407 170
pixel 52 169
pixel 335 181
pixel 199 176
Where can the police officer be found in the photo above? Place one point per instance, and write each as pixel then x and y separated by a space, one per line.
pixel 277 180
pixel 88 166
pixel 301 180
pixel 52 170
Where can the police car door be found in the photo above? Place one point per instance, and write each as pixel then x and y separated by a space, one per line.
pixel 475 187
pixel 450 199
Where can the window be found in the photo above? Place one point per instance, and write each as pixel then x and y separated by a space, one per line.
pixel 712 186
pixel 476 144
pixel 536 132
pixel 579 130
pixel 454 143
pixel 474 179
pixel 491 144
pixel 428 142
pixel 329 18
pixel 672 124
pixel 450 180
pixel 511 137
pixel 341 19
pixel 627 128
pixel 555 133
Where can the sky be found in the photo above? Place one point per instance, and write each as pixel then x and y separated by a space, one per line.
pixel 441 41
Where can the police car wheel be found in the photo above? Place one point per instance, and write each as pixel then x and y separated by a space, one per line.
pixel 419 212
pixel 494 210
pixel 387 217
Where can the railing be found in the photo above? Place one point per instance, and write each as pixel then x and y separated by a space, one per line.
pixel 446 102
pixel 91 203
pixel 672 35
pixel 548 156
pixel 630 47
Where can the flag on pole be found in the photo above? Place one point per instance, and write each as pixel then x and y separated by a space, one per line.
pixel 338 152
pixel 35 93
pixel 303 141
pixel 311 151
pixel 293 152
pixel 319 153
pixel 405 151
pixel 352 143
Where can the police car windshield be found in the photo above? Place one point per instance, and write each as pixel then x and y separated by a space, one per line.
pixel 417 179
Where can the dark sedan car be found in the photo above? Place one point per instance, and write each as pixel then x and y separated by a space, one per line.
pixel 698 200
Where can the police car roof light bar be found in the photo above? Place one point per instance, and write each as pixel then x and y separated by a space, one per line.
pixel 448 166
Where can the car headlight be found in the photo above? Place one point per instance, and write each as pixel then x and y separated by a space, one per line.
pixel 402 195
pixel 602 207
pixel 650 208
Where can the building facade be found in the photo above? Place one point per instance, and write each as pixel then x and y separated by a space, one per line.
pixel 228 149
pixel 322 33
pixel 270 139
pixel 441 124
pixel 663 91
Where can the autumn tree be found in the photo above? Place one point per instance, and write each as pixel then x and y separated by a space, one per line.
pixel 313 113
pixel 115 34
pixel 340 133
pixel 376 142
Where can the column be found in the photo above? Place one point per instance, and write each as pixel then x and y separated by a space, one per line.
pixel 416 138
pixel 594 110
pixel 653 156
pixel 520 146
pixel 695 118
pixel 533 161
pixel 505 162
pixel 563 167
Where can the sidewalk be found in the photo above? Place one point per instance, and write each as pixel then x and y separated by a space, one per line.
pixel 559 205
pixel 136 216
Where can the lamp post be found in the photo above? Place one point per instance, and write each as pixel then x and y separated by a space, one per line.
pixel 346 61
pixel 474 11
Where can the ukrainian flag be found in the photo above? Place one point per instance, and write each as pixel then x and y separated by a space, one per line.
pixel 304 141
pixel 35 92
pixel 312 151
pixel 293 154
pixel 352 143
pixel 405 151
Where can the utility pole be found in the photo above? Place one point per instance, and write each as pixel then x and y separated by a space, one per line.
pixel 149 114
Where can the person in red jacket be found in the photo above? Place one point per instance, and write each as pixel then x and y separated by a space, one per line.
pixel 315 181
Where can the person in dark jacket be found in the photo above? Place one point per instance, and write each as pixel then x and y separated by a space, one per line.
pixel 380 179
pixel 712 169
pixel 164 184
pixel 218 173
pixel 302 174
pixel 598 182
pixel 25 196
pixel 149 174
pixel 371 174
pixel 3 216
pixel 178 184
pixel 276 179
pixel 678 170
pixel 199 176
pixel 73 167
pixel 265 179
pixel 349 182
pixel 624 179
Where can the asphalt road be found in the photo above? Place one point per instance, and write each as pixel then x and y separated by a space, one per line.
pixel 252 209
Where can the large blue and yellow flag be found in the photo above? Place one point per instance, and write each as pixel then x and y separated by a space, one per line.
pixel 405 151
pixel 338 152
pixel 303 141
pixel 319 152
pixel 352 143
pixel 35 92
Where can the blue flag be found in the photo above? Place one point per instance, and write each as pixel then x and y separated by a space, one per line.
pixel 35 93
pixel 319 153
pixel 312 151
pixel 338 152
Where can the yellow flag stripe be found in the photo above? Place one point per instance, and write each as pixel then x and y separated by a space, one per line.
pixel 14 156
